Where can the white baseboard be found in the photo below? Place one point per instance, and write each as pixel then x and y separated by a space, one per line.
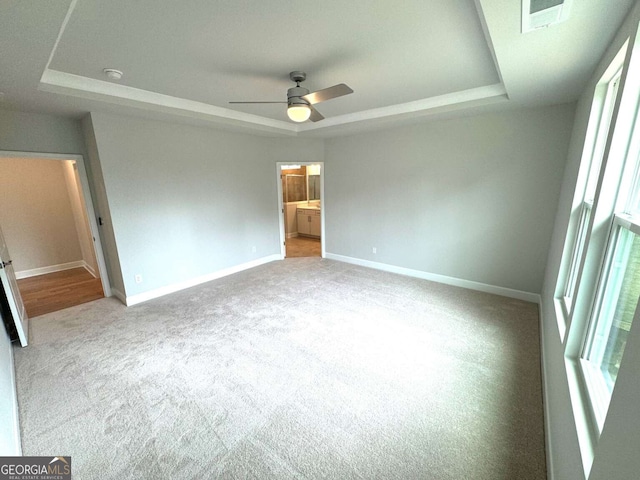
pixel 545 396
pixel 89 269
pixel 119 295
pixel 160 292
pixel 434 277
pixel 50 269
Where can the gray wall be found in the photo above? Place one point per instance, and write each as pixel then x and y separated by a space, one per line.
pixel 471 198
pixel 102 210
pixel 32 132
pixel 616 454
pixel 187 201
pixel 36 214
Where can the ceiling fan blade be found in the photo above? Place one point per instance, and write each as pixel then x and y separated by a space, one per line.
pixel 315 116
pixel 257 102
pixel 328 93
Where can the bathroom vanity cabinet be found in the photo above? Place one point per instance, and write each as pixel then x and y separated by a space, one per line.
pixel 308 221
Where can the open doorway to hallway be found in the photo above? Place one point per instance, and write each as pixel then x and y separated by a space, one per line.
pixel 55 291
pixel 47 229
pixel 301 196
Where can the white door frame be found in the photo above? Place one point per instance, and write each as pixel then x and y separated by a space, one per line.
pixel 283 234
pixel 88 205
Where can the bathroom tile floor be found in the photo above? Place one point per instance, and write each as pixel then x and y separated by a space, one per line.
pixel 303 247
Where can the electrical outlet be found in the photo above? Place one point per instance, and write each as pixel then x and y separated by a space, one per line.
pixel 138 278
pixel 253 249
pixel 374 250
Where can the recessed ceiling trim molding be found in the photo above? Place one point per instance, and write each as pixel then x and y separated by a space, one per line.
pixel 488 39
pixel 70 10
pixel 64 83
pixel 442 103
pixel 78 86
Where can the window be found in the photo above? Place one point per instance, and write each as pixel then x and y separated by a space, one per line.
pixel 617 297
pixel 599 284
pixel 604 347
pixel 605 344
pixel 605 113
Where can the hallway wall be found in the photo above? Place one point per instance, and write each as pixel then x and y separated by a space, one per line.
pixel 36 215
pixel 80 218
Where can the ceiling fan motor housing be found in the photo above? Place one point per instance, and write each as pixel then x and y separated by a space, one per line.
pixel 295 94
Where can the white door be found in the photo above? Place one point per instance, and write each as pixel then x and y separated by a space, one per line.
pixel 10 285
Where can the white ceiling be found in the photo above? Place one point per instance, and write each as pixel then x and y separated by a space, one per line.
pixel 187 60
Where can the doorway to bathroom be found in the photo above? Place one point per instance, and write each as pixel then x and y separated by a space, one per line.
pixel 300 199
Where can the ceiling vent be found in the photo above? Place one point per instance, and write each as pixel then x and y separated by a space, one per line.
pixel 543 13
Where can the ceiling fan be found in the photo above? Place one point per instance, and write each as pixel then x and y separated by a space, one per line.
pixel 300 102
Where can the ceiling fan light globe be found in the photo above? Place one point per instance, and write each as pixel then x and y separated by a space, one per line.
pixel 299 113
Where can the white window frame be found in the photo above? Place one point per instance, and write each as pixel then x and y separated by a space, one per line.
pixel 623 217
pixel 596 384
pixel 604 105
pixel 573 322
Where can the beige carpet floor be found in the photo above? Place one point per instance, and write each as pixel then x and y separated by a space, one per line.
pixel 304 368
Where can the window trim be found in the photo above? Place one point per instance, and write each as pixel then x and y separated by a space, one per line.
pixel 598 394
pixel 600 223
pixel 578 250
pixel 603 205
pixel 605 100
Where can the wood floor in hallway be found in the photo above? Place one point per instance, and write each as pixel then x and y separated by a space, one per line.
pixel 303 247
pixel 54 291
